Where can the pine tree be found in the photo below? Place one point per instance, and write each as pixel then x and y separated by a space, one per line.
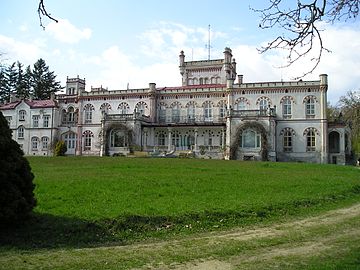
pixel 3 84
pixel 10 79
pixel 43 81
pixel 16 180
pixel 22 86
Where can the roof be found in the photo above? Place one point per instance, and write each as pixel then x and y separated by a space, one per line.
pixel 47 103
pixel 33 104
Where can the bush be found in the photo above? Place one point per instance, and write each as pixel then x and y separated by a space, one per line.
pixel 16 179
pixel 60 148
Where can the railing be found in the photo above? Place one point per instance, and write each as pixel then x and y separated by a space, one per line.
pixel 177 119
pixel 119 117
pixel 253 113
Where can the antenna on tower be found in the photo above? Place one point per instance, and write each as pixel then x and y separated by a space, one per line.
pixel 208 46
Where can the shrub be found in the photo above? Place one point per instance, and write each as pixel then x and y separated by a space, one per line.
pixel 60 148
pixel 16 179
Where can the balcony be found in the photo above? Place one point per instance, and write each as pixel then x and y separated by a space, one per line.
pixel 191 120
pixel 253 113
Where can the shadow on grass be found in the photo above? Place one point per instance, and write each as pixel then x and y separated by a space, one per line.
pixel 48 231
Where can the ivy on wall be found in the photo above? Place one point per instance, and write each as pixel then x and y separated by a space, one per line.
pixel 234 148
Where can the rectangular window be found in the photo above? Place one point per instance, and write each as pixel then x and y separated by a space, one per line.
pixel 87 145
pixel 35 120
pixel 22 115
pixel 88 116
pixel 46 120
pixel 45 143
pixel 287 143
pixel 21 132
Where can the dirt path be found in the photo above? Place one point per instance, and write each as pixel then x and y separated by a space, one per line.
pixel 302 238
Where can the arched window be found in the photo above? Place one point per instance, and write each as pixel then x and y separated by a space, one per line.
pixel 20 132
pixel 222 109
pixel 123 108
pixel 334 142
pixel 162 113
pixel 118 138
pixel 105 108
pixel 88 108
pixel 250 139
pixel 208 111
pixel 88 135
pixel 191 112
pixel 161 139
pixel 176 138
pixel 71 115
pixel 45 143
pixel 140 108
pixel 22 115
pixel 287 141
pixel 201 81
pixel 195 81
pixel 190 82
pixel 310 108
pixel 286 108
pixel 241 105
pixel 70 140
pixel 263 106
pixel 310 141
pixel 175 113
pixel 34 143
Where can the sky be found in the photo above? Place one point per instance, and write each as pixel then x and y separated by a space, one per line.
pixel 117 43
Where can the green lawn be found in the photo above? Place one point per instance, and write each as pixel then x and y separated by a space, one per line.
pixel 86 201
pixel 94 188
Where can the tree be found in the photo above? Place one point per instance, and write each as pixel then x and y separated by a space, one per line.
pixel 301 25
pixel 3 88
pixel 23 82
pixel 60 148
pixel 9 82
pixel 42 12
pixel 333 113
pixel 16 179
pixel 350 109
pixel 43 81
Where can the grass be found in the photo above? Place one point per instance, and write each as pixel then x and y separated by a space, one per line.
pixel 92 201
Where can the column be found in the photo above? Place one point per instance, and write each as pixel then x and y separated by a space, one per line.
pixel 196 140
pixel 169 139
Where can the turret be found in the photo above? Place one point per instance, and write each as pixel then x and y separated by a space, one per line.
pixel 182 62
pixel 227 62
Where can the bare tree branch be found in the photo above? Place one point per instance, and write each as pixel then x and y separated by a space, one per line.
pixel 43 13
pixel 300 24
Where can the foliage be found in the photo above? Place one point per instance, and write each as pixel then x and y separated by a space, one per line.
pixel 258 128
pixel 350 109
pixel 333 113
pixel 16 194
pixel 38 83
pixel 44 81
pixel 300 22
pixel 60 148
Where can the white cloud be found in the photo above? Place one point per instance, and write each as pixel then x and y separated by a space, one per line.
pixel 25 52
pixel 66 32
pixel 167 39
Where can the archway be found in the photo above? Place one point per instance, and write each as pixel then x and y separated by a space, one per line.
pixel 250 137
pixel 118 138
pixel 334 142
